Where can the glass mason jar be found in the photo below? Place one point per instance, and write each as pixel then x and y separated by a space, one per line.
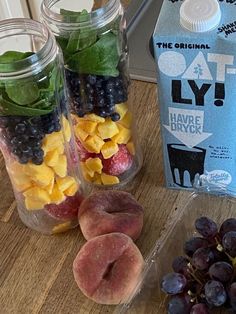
pixel 95 56
pixel 35 128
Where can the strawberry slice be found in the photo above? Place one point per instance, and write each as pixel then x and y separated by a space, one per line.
pixel 118 163
pixel 67 209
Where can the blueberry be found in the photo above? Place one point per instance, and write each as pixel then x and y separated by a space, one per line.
pixel 101 102
pixel 80 113
pixel 102 113
pixel 101 93
pixel 20 128
pixel 89 107
pixel 38 153
pixel 23 159
pixel 109 110
pixel 91 79
pixel 37 160
pixel 115 116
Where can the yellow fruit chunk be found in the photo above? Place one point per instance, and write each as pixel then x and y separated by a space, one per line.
pixel 121 109
pixel 61 228
pixel 61 167
pixel 42 175
pixel 52 141
pixel 123 136
pixel 19 179
pixel 57 196
pixel 107 129
pixel 88 126
pixel 66 128
pixel 49 187
pixel 38 195
pixel 93 144
pixel 61 149
pixel 64 183
pixel 80 133
pixel 94 117
pixel 31 204
pixel 109 149
pixel 131 148
pixel 51 158
pixel 97 179
pixel 86 171
pixel 72 189
pixel 127 120
pixel 109 180
pixel 94 164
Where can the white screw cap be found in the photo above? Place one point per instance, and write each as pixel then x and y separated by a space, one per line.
pixel 200 15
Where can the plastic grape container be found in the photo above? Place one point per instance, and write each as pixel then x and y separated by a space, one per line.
pixel 148 297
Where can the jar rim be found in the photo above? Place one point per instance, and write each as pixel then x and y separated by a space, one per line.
pixel 98 18
pixel 39 59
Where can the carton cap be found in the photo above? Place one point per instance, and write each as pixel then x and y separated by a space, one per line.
pixel 200 15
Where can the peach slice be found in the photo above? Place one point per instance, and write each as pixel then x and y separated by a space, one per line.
pixel 107 269
pixel 110 211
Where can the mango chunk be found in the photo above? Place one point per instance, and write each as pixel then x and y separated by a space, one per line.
pixel 61 227
pixel 94 117
pixel 97 179
pixel 42 175
pixel 51 158
pixel 88 126
pixel 109 149
pixel 38 195
pixel 31 204
pixel 60 149
pixel 61 167
pixel 64 183
pixel 107 129
pixel 93 144
pixel 57 196
pixel 131 148
pixel 109 180
pixel 127 120
pixel 66 128
pixel 49 187
pixel 123 136
pixel 94 164
pixel 72 189
pixel 86 171
pixel 80 133
pixel 52 141
pixel 121 109
pixel 19 179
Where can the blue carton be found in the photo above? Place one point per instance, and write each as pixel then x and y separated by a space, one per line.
pixel 197 96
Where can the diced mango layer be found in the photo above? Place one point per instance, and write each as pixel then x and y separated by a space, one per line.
pixel 109 180
pixel 64 183
pixel 57 196
pixel 38 195
pixel 20 180
pixel 93 144
pixel 127 120
pixel 94 164
pixel 42 175
pixel 123 136
pixel 121 109
pixel 86 171
pixel 131 148
pixel 109 149
pixel 72 189
pixel 31 204
pixel 51 158
pixel 49 187
pixel 52 141
pixel 88 126
pixel 66 128
pixel 107 129
pixel 94 117
pixel 80 133
pixel 61 167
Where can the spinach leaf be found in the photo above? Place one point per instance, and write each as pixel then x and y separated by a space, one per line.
pixel 9 108
pixel 23 93
pixel 12 56
pixel 99 59
pixel 80 40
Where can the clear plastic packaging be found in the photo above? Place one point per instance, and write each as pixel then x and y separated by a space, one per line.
pixel 36 136
pixel 96 64
pixel 148 297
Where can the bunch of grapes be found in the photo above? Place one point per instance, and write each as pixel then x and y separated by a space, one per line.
pixel 205 278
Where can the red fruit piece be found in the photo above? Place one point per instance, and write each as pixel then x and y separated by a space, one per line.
pixel 83 153
pixel 67 209
pixel 118 163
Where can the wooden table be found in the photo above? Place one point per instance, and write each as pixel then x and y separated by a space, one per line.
pixel 36 270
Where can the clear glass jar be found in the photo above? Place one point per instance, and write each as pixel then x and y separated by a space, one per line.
pixel 35 128
pixel 95 53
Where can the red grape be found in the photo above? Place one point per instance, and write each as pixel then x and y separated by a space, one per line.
pixel 221 271
pixel 206 227
pixel 229 243
pixel 199 308
pixel 203 258
pixel 193 244
pixel 215 293
pixel 173 283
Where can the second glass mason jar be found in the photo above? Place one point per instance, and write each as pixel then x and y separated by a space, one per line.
pixel 95 57
pixel 35 128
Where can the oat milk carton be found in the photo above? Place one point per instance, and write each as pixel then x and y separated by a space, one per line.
pixel 195 51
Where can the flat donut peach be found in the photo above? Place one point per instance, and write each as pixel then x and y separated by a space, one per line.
pixel 108 268
pixel 110 211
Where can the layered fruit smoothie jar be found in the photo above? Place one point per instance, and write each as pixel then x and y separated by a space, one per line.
pixel 94 46
pixel 36 137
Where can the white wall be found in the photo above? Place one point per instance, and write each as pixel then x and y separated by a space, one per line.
pixel 13 8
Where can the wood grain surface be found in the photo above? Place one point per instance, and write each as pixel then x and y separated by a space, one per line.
pixel 36 270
